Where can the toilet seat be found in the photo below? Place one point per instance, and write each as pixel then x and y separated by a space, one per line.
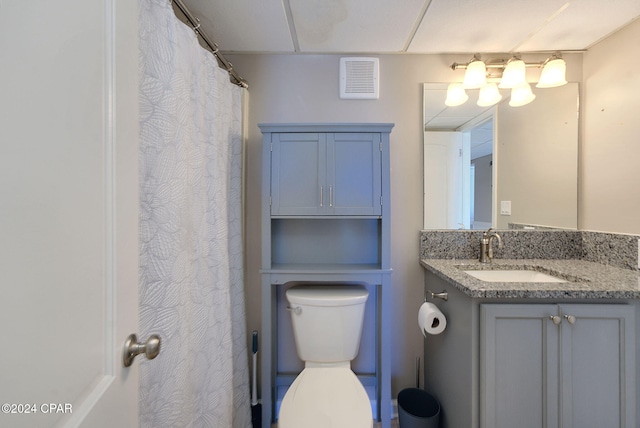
pixel 322 397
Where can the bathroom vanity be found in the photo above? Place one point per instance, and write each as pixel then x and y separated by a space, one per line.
pixel 325 220
pixel 534 354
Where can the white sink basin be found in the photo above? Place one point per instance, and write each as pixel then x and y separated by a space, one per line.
pixel 513 276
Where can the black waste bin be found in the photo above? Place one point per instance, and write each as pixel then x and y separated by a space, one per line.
pixel 418 409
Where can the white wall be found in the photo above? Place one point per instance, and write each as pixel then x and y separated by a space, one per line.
pixel 609 162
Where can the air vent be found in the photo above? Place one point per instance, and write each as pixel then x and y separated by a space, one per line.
pixel 359 78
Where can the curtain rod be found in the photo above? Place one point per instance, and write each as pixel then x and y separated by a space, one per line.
pixel 195 23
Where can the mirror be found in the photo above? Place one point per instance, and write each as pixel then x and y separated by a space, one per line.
pixel 501 166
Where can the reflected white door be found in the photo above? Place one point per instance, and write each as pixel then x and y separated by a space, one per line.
pixel 68 212
pixel 446 180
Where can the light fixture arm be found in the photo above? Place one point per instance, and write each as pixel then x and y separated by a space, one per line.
pixel 502 63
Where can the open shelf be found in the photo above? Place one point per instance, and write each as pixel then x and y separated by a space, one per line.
pixel 335 243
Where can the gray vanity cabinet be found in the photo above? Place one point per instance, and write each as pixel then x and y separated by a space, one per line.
pixel 332 173
pixel 566 365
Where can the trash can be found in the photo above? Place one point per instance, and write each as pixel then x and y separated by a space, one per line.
pixel 418 409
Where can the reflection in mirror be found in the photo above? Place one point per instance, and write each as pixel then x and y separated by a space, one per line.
pixel 501 166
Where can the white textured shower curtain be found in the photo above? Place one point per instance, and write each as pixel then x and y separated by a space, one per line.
pixel 191 262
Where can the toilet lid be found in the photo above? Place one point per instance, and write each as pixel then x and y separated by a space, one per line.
pixel 322 397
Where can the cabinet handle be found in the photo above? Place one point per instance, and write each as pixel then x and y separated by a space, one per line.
pixel 331 196
pixel 571 319
pixel 556 319
pixel 321 195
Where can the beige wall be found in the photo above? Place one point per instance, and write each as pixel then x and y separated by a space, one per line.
pixel 610 158
pixel 304 88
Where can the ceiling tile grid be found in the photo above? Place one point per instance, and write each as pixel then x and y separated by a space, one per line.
pixel 412 26
pixel 244 25
pixel 354 25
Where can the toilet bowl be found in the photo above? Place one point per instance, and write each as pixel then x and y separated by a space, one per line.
pixel 327 324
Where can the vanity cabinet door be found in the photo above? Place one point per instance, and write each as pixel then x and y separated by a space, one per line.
pixel 598 366
pixel 518 366
pixel 569 366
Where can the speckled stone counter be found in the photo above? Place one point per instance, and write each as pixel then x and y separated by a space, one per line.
pixel 585 279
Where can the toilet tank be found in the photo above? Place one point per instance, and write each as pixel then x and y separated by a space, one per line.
pixel 327 321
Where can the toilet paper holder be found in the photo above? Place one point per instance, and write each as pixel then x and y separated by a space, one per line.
pixel 444 295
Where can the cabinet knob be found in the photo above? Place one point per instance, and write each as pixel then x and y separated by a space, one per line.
pixel 571 319
pixel 556 319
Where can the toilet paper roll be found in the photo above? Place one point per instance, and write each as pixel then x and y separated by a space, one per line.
pixel 430 319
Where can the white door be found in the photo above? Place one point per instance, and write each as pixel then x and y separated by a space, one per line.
pixel 68 212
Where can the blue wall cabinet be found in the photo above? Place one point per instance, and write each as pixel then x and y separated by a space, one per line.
pixel 326 173
pixel 325 219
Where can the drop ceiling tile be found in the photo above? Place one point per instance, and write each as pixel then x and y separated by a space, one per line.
pixel 480 25
pixel 354 25
pixel 582 24
pixel 244 25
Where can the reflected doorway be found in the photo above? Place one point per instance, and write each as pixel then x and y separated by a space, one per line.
pixel 481 175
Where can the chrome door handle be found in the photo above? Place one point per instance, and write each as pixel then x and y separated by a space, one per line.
pixel 132 348
pixel 321 196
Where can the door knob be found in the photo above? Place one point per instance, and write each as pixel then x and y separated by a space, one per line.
pixel 556 319
pixel 151 348
pixel 571 319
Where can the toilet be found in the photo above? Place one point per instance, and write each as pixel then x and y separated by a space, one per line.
pixel 327 325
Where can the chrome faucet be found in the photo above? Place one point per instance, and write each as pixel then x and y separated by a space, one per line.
pixel 486 250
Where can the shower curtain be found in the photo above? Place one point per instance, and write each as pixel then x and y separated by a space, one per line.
pixel 191 261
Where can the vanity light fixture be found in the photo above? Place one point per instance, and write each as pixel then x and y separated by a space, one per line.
pixel 475 75
pixel 514 74
pixel 489 95
pixel 511 75
pixel 456 95
pixel 553 73
pixel 521 95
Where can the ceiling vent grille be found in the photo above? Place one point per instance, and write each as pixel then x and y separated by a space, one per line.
pixel 359 78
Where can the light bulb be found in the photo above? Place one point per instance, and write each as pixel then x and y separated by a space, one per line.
pixel 475 76
pixel 489 95
pixel 515 73
pixel 553 74
pixel 456 95
pixel 521 95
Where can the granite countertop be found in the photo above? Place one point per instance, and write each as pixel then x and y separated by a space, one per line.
pixel 585 280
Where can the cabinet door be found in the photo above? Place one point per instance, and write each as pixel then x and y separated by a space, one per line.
pixel 598 366
pixel 518 366
pixel 326 174
pixel 354 173
pixel 298 173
